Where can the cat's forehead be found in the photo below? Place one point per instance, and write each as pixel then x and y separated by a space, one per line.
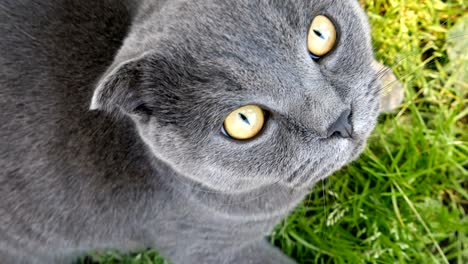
pixel 256 30
pixel 257 45
pixel 260 17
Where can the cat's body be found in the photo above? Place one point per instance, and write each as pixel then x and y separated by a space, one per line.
pixel 152 169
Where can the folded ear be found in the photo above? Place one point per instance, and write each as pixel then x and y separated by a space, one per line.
pixel 119 88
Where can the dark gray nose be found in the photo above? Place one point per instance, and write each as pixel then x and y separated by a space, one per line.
pixel 342 126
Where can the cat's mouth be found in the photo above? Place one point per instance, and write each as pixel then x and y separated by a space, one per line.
pixel 342 151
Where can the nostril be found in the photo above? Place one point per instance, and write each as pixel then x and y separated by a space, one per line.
pixel 336 134
pixel 342 127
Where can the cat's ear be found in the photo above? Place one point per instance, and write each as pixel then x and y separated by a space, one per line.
pixel 120 87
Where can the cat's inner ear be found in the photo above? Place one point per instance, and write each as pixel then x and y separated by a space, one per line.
pixel 120 88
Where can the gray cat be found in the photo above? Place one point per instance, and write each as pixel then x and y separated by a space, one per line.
pixel 192 127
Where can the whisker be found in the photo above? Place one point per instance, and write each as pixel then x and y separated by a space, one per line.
pixel 324 193
pixel 418 52
pixel 387 88
pixel 382 72
pixel 385 61
pixel 406 75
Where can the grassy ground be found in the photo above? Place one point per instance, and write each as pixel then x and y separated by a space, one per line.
pixel 405 200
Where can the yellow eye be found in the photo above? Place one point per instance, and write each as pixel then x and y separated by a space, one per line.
pixel 322 36
pixel 245 122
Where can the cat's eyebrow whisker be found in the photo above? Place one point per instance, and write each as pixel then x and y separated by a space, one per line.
pixel 374 49
pixel 382 72
pixel 385 70
pixel 430 61
pixel 385 88
pixel 403 57
pixel 407 55
pixel 446 40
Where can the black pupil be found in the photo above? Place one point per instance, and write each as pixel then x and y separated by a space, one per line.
pixel 244 118
pixel 319 34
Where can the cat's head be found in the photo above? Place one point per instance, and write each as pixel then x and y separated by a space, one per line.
pixel 186 67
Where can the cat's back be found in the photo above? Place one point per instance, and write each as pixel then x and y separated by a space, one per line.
pixel 51 53
pixel 54 152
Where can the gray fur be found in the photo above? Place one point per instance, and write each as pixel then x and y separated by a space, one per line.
pixel 140 161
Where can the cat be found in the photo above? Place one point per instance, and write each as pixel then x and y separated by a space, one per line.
pixel 114 131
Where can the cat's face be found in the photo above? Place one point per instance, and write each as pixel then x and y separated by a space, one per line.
pixel 183 70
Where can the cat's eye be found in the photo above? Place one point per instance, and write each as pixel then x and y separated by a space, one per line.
pixel 321 37
pixel 244 123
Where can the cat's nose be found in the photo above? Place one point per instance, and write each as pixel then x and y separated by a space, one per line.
pixel 342 127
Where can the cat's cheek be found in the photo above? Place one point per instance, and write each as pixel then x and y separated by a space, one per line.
pixel 365 115
pixel 335 155
pixel 160 142
pixel 362 129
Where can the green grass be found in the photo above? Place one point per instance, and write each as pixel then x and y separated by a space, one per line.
pixel 405 200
